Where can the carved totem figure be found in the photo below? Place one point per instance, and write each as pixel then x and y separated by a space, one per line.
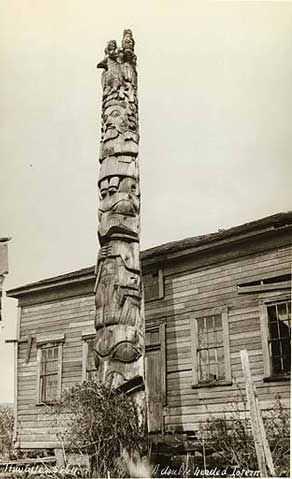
pixel 119 318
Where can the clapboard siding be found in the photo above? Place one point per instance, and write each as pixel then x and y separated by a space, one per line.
pixel 192 287
pixel 196 291
pixel 69 316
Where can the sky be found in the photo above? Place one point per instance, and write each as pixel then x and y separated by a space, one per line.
pixel 215 108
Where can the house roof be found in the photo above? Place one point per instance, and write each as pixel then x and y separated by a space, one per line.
pixel 270 222
pixel 172 249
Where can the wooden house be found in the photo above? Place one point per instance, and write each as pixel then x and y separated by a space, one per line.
pixel 206 299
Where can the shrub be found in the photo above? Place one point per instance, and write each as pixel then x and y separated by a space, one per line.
pixel 277 425
pixel 232 440
pixel 101 424
pixel 6 433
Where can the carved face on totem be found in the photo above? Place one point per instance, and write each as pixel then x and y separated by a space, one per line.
pixel 118 295
pixel 119 209
pixel 118 354
pixel 120 130
pixel 119 343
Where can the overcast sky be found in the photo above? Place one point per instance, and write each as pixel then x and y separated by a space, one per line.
pixel 215 119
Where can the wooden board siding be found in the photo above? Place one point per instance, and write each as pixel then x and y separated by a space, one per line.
pixel 190 287
pixel 195 290
pixel 35 426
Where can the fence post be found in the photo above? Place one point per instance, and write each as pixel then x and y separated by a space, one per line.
pixel 263 452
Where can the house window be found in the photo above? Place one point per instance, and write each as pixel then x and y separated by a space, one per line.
pixel 49 363
pixel 276 325
pixel 90 364
pixel 153 285
pixel 155 373
pixel 269 282
pixel 210 349
pixel 49 374
pixel 89 370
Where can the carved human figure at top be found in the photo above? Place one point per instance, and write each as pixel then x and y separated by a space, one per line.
pixel 120 55
pixel 128 42
pixel 110 54
pixel 111 50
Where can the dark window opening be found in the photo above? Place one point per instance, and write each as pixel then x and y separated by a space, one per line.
pixel 91 370
pixel 151 286
pixel 279 322
pixel 272 280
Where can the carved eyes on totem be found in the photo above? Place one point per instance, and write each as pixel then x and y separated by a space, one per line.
pixel 124 352
pixel 112 185
pixel 111 190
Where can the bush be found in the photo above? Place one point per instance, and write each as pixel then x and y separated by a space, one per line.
pixel 101 424
pixel 6 433
pixel 277 425
pixel 231 441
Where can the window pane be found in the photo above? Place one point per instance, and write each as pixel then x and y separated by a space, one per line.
pixel 90 366
pixel 272 312
pixel 286 346
pixel 276 347
pixel 221 368
pixel 154 337
pixel 51 388
pixel 282 311
pixel 220 355
pixel 213 372
pixel 147 338
pixel 274 330
pixel 202 336
pixel 210 323
pixel 280 332
pixel 219 337
pixel 287 363
pixel 151 286
pixel 211 338
pixel 210 349
pixel 49 373
pixel 212 355
pixel 276 364
pixel 203 367
pixel 218 321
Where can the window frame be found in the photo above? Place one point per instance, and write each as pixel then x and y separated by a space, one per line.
pixel 226 346
pixel 161 346
pixel 160 294
pixel 42 343
pixel 86 336
pixel 264 322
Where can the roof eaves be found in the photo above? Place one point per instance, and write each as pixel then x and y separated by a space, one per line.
pixel 169 251
pixel 49 284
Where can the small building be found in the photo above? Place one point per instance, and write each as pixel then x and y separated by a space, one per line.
pixel 206 299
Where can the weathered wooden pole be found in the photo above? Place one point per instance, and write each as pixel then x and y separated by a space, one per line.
pixel 119 318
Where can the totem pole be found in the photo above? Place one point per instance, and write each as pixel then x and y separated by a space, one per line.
pixel 119 318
